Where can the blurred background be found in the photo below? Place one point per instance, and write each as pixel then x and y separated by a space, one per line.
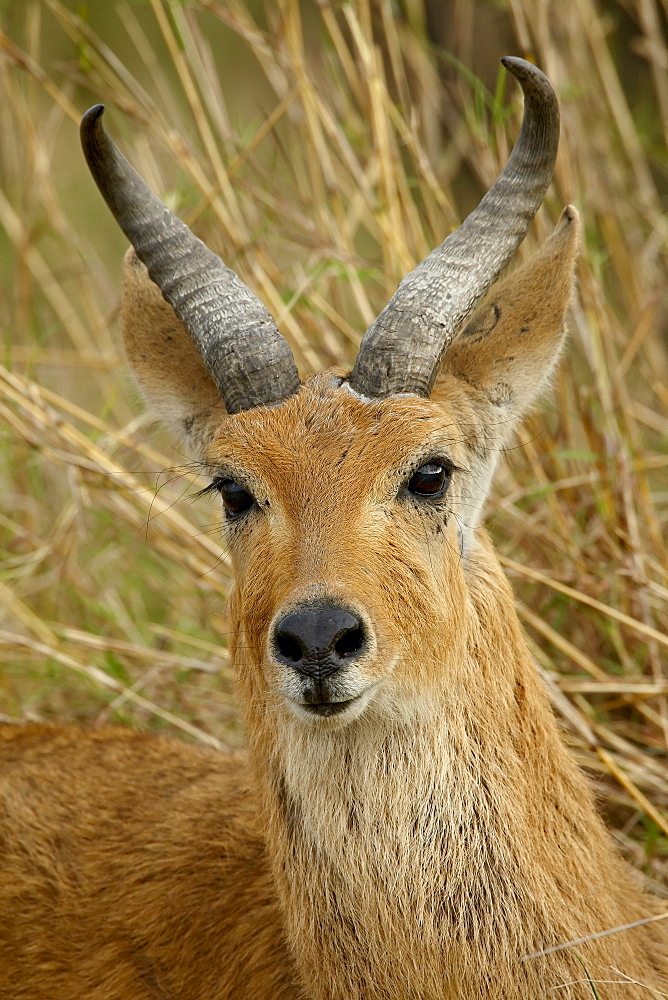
pixel 322 149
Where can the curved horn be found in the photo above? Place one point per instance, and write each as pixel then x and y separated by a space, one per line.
pixel 402 349
pixel 247 358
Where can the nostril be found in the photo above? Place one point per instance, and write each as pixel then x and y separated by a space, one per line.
pixel 318 639
pixel 289 648
pixel 350 643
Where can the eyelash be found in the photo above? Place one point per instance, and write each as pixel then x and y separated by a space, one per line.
pixel 211 488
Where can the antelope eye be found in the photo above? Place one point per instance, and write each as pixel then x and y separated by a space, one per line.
pixel 236 499
pixel 430 480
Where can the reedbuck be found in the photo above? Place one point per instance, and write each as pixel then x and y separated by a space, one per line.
pixel 407 824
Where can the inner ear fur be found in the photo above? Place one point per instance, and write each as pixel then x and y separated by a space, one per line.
pixel 510 346
pixel 166 363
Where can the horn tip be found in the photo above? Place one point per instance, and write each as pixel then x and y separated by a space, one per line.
pixel 509 61
pixel 91 132
pixel 92 115
pixel 515 63
pixel 522 69
pixel 532 80
pixel 89 124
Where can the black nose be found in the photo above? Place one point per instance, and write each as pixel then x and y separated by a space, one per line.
pixel 319 639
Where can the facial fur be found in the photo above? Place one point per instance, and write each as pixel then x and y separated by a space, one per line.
pixel 333 519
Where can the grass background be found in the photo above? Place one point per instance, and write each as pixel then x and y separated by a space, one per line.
pixel 323 149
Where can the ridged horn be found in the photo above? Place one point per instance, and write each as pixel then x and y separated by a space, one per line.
pixel 402 349
pixel 247 358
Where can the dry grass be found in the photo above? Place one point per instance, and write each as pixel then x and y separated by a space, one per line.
pixel 322 156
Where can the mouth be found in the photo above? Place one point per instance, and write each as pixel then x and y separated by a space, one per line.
pixel 326 708
pixel 346 710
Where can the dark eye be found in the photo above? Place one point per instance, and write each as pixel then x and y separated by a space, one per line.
pixel 235 497
pixel 430 480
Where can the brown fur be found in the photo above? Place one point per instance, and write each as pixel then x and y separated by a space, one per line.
pixel 415 849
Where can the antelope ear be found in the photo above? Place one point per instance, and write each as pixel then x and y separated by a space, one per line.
pixel 510 346
pixel 168 366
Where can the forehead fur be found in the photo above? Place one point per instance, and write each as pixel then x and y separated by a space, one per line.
pixel 326 426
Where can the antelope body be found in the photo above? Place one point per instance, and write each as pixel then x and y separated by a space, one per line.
pixel 407 824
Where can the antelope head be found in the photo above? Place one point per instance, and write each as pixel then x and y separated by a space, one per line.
pixel 352 500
